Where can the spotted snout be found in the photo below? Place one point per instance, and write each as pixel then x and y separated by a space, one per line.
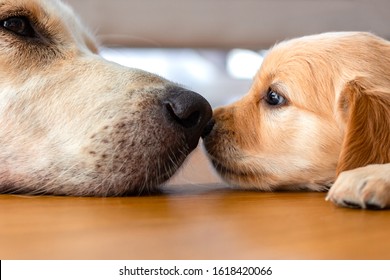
pixel 155 133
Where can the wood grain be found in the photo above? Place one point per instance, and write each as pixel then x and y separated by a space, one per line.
pixel 208 221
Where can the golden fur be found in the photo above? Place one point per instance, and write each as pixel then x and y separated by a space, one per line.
pixel 335 118
pixel 73 123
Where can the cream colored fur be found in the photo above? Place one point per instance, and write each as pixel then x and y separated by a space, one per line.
pixel 73 123
pixel 336 118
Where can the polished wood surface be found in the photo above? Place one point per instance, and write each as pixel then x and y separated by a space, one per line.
pixel 191 221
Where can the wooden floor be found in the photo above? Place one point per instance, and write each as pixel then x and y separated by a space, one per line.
pixel 191 221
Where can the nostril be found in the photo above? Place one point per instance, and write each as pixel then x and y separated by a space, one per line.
pixel 192 120
pixel 186 119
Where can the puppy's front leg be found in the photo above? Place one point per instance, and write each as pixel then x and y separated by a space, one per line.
pixel 366 187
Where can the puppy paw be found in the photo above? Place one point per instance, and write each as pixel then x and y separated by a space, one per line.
pixel 366 187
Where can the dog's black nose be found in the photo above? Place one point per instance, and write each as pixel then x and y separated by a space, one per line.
pixel 190 111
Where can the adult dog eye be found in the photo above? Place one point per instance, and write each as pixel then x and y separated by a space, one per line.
pixel 18 25
pixel 274 99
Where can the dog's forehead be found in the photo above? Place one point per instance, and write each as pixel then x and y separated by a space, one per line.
pixel 303 69
pixel 321 63
pixel 50 13
pixel 319 50
pixel 39 8
pixel 55 15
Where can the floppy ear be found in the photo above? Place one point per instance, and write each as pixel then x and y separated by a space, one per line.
pixel 365 108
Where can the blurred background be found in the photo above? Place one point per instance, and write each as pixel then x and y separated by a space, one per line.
pixel 214 47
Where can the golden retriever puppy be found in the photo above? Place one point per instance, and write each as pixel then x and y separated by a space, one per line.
pixel 316 117
pixel 73 123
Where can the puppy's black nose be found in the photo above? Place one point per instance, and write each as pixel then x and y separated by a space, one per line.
pixel 208 128
pixel 190 112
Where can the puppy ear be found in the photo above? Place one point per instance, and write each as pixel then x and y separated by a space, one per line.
pixel 365 108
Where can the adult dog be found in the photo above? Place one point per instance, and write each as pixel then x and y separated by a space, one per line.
pixel 316 117
pixel 75 124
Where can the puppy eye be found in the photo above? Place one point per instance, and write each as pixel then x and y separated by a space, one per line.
pixel 274 99
pixel 18 25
